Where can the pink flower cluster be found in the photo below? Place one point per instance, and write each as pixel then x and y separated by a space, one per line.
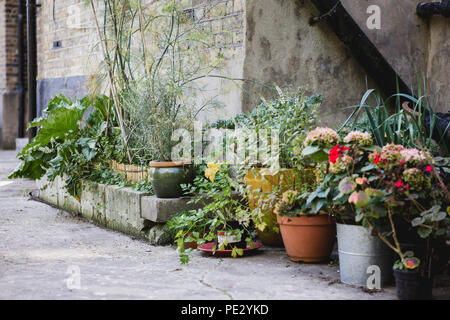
pixel 416 179
pixel 322 137
pixel 415 164
pixel 414 156
pixel 394 155
pixel 361 138
pixel 341 165
pixel 390 156
pixel 286 203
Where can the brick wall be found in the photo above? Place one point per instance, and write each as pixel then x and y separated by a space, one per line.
pixel 8 45
pixel 78 53
pixel 74 56
pixel 225 20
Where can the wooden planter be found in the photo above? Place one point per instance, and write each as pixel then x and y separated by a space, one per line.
pixel 132 172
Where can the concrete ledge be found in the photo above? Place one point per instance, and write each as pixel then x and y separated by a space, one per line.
pixel 121 209
pixel 161 210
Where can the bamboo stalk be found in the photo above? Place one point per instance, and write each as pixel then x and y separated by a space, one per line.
pixel 111 81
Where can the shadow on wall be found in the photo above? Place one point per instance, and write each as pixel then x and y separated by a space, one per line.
pixel 73 87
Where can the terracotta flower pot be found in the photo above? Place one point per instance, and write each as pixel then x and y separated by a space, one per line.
pixel 308 238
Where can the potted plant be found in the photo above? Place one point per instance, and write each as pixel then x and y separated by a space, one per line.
pixel 168 171
pixel 406 184
pixel 411 285
pixel 292 114
pixel 168 176
pixel 224 217
pixel 308 236
pixel 346 161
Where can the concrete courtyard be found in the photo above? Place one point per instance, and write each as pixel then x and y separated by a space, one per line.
pixel 46 253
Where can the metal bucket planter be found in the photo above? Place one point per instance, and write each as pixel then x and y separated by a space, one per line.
pixel 359 250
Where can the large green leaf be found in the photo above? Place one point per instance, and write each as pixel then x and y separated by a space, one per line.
pixel 60 121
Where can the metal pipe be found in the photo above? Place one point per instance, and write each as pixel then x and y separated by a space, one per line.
pixel 21 67
pixel 32 63
pixel 428 9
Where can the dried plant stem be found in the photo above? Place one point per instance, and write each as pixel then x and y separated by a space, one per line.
pixel 396 248
pixel 112 84
pixel 144 42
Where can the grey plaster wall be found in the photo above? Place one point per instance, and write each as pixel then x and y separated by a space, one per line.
pixel 413 45
pixel 73 87
pixel 282 48
pixel 438 65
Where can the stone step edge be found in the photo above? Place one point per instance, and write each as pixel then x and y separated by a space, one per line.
pixel 118 208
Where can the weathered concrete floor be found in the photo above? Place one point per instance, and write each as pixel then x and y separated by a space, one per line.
pixel 39 244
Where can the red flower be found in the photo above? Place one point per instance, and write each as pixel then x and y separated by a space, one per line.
pixel 429 169
pixel 402 163
pixel 336 152
pixel 377 159
pixel 410 264
pixel 407 187
pixel 399 184
pixel 334 155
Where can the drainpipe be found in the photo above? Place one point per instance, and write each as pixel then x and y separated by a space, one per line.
pixel 21 67
pixel 32 63
pixel 428 9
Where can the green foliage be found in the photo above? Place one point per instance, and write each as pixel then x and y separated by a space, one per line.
pixel 218 193
pixel 60 122
pixel 70 147
pixel 156 58
pixel 396 125
pixel 293 114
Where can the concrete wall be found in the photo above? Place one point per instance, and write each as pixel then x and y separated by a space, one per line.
pixel 282 48
pixel 414 46
pixel 438 67
pixel 268 41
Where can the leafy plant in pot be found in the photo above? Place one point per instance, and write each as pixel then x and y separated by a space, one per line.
pixel 292 114
pixel 346 160
pixel 308 236
pixel 168 170
pixel 408 185
pixel 224 217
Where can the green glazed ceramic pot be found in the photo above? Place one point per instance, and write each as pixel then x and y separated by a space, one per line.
pixel 167 177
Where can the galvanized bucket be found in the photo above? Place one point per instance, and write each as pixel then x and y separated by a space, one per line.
pixel 360 256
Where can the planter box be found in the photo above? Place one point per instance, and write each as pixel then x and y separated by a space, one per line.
pixel 48 191
pixel 122 209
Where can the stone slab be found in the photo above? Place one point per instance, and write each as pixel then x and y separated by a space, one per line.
pixel 161 210
pixel 48 191
pixel 123 210
pixel 93 202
